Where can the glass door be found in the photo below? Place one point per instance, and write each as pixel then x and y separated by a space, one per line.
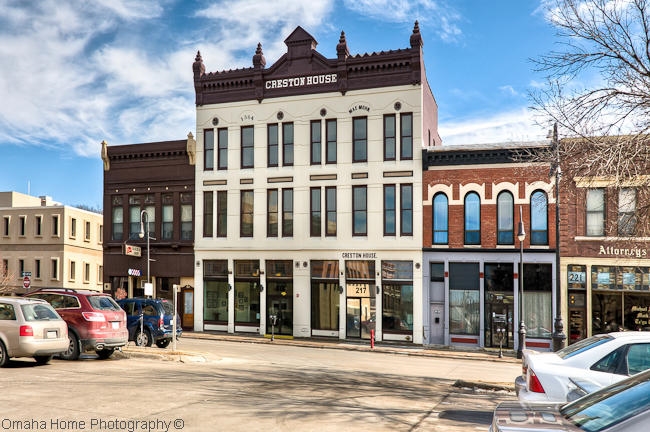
pixel 353 318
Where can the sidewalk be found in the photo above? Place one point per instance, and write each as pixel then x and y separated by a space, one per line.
pixel 330 343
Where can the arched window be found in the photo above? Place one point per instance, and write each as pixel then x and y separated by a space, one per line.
pixel 472 219
pixel 440 219
pixel 505 219
pixel 538 218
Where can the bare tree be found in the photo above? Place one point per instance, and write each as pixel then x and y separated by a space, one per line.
pixel 598 92
pixel 6 279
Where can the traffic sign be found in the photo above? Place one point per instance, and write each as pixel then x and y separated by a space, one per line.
pixel 26 282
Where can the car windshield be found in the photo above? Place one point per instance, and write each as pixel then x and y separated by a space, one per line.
pixel 583 345
pixel 610 405
pixel 39 312
pixel 103 303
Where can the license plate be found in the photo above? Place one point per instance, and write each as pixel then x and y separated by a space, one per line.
pixel 52 334
pixel 115 325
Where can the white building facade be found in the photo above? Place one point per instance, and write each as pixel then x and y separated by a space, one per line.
pixel 308 207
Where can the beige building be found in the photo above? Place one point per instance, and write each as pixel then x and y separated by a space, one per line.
pixel 48 244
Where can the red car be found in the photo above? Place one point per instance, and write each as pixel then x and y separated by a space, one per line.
pixel 96 323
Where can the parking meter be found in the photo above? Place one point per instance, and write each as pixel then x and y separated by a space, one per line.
pixel 274 319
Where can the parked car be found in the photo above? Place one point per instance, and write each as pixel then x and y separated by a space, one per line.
pixel 157 324
pixel 95 322
pixel 30 328
pixel 582 367
pixel 620 407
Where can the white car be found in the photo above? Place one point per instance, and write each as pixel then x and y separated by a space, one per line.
pixel 30 328
pixel 582 367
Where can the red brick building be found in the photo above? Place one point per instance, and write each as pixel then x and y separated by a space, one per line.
pixel 473 197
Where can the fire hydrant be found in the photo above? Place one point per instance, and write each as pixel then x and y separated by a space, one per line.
pixel 372 338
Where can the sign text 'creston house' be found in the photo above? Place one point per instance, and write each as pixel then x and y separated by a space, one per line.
pixel 300 81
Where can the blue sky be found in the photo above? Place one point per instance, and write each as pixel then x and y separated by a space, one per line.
pixel 75 72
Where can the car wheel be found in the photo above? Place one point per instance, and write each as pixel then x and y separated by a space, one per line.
pixel 73 351
pixel 143 339
pixel 43 359
pixel 4 358
pixel 105 353
pixel 163 343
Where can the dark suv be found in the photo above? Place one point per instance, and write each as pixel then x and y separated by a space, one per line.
pixel 157 324
pixel 95 322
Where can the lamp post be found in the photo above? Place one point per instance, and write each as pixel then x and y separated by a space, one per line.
pixel 558 328
pixel 141 234
pixel 521 236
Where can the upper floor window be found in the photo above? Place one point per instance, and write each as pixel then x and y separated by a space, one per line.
pixel 440 219
pixel 287 144
pixel 330 209
pixel 247 147
pixel 316 143
pixel 390 210
pixel 73 227
pixel 6 225
pixel 167 217
pixel 22 221
pixel 222 213
pixel 538 218
pixel 38 226
pixel 118 223
pixel 330 146
pixel 626 211
pixel 360 139
pixel 287 212
pixel 359 210
pixel 595 212
pixel 315 213
pixel 246 214
pixel 316 217
pixel 406 136
pixel 272 149
pixel 55 225
pixel 208 213
pixel 505 219
pixel 406 209
pixel 389 137
pixel 187 216
pixel 222 149
pixel 272 213
pixel 472 219
pixel 208 149
pixel 87 231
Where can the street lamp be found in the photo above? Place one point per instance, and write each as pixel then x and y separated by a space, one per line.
pixel 558 328
pixel 521 236
pixel 141 234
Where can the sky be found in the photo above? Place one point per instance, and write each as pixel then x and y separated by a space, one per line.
pixel 74 72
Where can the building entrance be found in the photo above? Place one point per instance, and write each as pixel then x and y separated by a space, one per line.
pixel 279 304
pixel 360 311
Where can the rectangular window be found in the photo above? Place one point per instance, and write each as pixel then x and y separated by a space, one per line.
pixel 287 212
pixel 390 210
pixel 21 267
pixel 208 213
pixel 22 222
pixel 100 233
pixel 626 211
pixel 360 139
pixel 596 212
pixel 389 138
pixel 464 298
pixel 246 214
pixel 315 212
pixel 38 226
pixel 272 213
pixel 406 136
pixel 87 231
pixel 325 295
pixel 37 269
pixel 73 228
pixel 55 269
pixel 222 150
pixel 287 144
pixel 118 223
pixel 222 214
pixel 272 145
pixel 406 209
pixel 100 274
pixel 73 271
pixel 316 143
pixel 5 228
pixel 86 272
pixel 397 296
pixel 359 210
pixel 55 225
pixel 208 149
pixel 330 208
pixel 330 148
pixel 167 222
pixel 247 147
pixel 187 221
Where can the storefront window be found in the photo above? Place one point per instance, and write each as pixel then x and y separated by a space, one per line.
pixel 499 304
pixel 247 292
pixel 325 296
pixel 464 299
pixel 215 291
pixel 397 299
pixel 538 302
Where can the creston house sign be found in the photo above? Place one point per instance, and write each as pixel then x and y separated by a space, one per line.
pixel 301 81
